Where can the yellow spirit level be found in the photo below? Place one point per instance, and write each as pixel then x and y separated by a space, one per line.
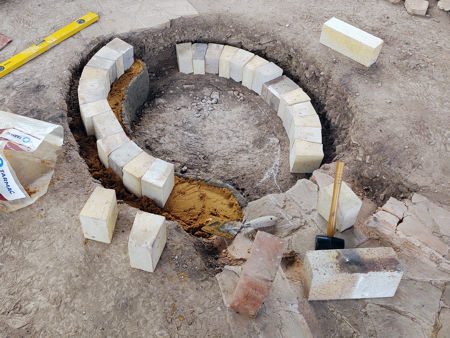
pixel 50 41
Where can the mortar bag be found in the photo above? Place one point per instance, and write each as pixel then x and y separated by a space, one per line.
pixel 28 153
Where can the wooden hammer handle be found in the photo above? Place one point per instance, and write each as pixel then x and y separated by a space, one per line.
pixel 331 228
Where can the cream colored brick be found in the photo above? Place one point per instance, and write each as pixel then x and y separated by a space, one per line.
pixel 272 90
pixel 89 110
pixel 122 155
pixel 147 240
pixel 351 273
pixel 125 49
pixel 238 62
pixel 158 182
pixel 290 98
pixel 212 57
pixel 309 134
pixel 348 207
pixel 99 214
pixel 224 62
pixel 308 121
pixel 416 7
pixel 184 57
pixel 91 90
pixel 198 57
pixel 106 124
pixel 134 170
pixel 299 109
pixel 350 41
pixel 108 144
pixel 305 157
pixel 113 55
pixel 249 70
pixel 265 74
pixel 96 73
pixel 106 64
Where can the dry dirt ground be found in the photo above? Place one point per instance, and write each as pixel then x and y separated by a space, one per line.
pixel 389 123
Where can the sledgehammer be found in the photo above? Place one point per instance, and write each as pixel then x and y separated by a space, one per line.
pixel 329 242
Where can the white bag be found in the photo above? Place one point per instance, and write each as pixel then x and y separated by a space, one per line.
pixel 28 152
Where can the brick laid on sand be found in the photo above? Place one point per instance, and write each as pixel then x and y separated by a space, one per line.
pixel 96 73
pixel 198 57
pixel 99 214
pixel 91 90
pixel 265 74
pixel 120 157
pixel 352 273
pixel 106 124
pixel 102 63
pixel 290 98
pixel 224 61
pixel 184 57
pixel 125 49
pixel 89 110
pixel 112 54
pixel 134 170
pixel 305 157
pixel 212 57
pixel 108 144
pixel 350 41
pixel 299 109
pixel 348 208
pixel 249 70
pixel 272 90
pixel 147 240
pixel 238 62
pixel 158 181
pixel 258 274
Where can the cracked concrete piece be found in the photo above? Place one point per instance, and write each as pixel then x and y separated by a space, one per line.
pixel 106 64
pixel 134 170
pixel 299 109
pixel 272 90
pixel 348 208
pixel 258 274
pixel 416 7
pixel 352 273
pixel 290 98
pixel 122 155
pixel 351 41
pixel 395 207
pixel 184 57
pixel 158 181
pixel 212 57
pixel 265 74
pixel 125 49
pixel 99 214
pixel 91 90
pixel 238 62
pixel 106 124
pixel 112 54
pixel 147 240
pixel 249 70
pixel 305 157
pixel 383 222
pixel 224 62
pixel 321 178
pixel 89 110
pixel 198 57
pixel 108 144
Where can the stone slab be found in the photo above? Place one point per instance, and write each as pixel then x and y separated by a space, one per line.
pixel 212 57
pixel 184 57
pixel 249 70
pixel 134 170
pixel 258 274
pixel 108 144
pixel 352 273
pixel 395 207
pixel 91 109
pixel 224 62
pixel 99 214
pixel 351 41
pixel 198 57
pixel 120 157
pixel 106 124
pixel 348 208
pixel 272 90
pixel 158 181
pixel 147 240
pixel 265 74
pixel 125 49
pixel 238 62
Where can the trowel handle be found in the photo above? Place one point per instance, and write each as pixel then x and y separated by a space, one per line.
pixel 335 200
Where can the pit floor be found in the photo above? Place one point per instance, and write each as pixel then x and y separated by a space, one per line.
pixel 51 284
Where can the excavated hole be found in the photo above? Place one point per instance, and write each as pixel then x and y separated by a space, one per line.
pixel 238 141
